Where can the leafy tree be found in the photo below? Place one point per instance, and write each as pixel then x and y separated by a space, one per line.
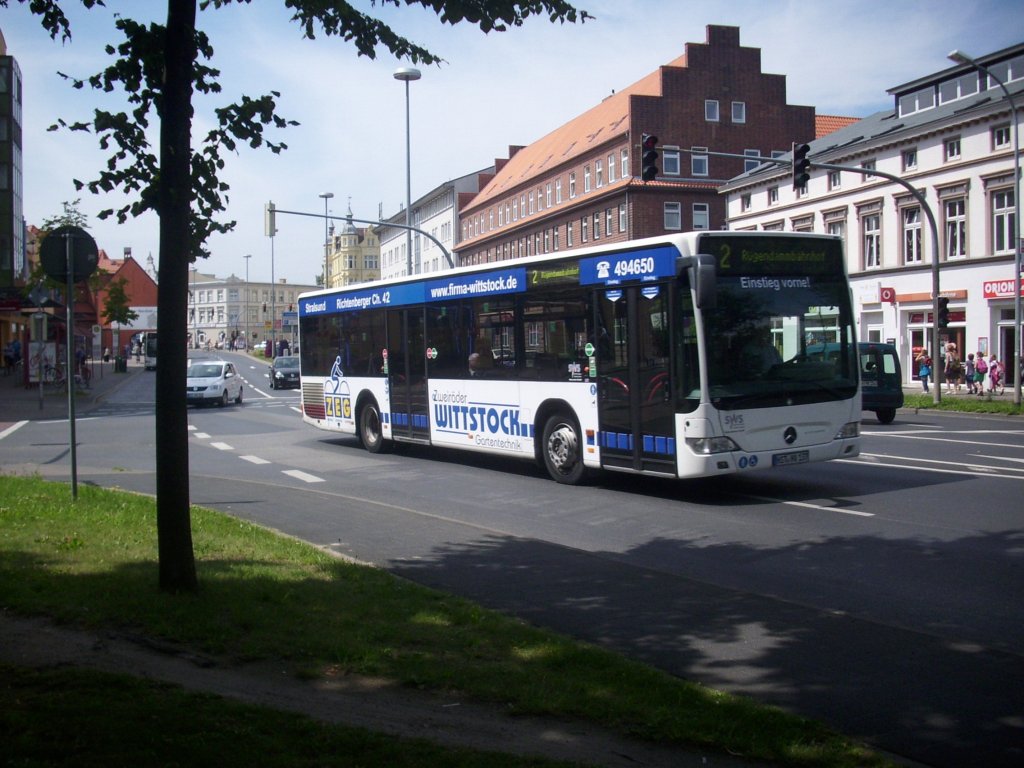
pixel 117 306
pixel 159 67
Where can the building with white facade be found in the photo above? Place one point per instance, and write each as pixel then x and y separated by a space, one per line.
pixel 222 309
pixel 950 135
pixel 437 212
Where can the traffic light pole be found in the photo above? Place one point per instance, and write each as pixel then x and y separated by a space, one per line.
pixel 447 255
pixel 937 371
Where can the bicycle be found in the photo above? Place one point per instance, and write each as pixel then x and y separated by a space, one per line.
pixel 53 376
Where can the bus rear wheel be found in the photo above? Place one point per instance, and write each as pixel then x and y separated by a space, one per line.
pixel 562 450
pixel 370 432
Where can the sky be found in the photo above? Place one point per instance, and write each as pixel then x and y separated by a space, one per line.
pixel 492 91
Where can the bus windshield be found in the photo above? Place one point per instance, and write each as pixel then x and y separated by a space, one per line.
pixel 766 317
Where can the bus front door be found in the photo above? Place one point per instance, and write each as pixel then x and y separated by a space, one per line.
pixel 637 425
pixel 407 380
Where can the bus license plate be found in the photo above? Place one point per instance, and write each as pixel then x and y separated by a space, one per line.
pixel 785 459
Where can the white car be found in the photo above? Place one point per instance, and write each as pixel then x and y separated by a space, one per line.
pixel 213 381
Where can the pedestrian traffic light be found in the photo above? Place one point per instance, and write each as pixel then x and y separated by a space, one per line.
pixel 801 165
pixel 648 157
pixel 943 312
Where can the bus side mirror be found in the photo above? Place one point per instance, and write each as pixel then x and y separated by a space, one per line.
pixel 704 280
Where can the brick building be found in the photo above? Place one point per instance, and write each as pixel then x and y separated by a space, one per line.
pixel 581 183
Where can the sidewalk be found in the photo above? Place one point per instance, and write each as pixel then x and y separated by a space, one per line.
pixel 21 403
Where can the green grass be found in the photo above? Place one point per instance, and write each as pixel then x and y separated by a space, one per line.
pixel 264 596
pixel 962 402
pixel 88 718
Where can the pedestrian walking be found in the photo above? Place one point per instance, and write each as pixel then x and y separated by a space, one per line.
pixel 982 372
pixel 995 376
pixel 924 369
pixel 969 373
pixel 953 368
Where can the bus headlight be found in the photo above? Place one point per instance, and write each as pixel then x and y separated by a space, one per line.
pixel 708 445
pixel 850 429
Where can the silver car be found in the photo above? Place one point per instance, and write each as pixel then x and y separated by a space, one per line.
pixel 213 381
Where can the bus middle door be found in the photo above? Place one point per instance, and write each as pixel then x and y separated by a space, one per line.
pixel 407 380
pixel 637 424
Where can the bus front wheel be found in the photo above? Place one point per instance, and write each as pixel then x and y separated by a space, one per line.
pixel 563 450
pixel 369 428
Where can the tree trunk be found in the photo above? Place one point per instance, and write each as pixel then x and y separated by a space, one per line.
pixel 173 523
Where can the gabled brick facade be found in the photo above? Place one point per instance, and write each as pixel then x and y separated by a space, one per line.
pixel 580 184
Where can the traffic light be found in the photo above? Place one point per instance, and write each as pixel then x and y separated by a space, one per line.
pixel 943 312
pixel 648 156
pixel 801 165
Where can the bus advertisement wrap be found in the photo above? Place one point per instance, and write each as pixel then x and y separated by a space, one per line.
pixel 644 265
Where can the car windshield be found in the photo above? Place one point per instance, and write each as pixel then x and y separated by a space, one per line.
pixel 204 370
pixel 286 362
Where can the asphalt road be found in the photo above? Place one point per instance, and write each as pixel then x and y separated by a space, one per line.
pixel 880 595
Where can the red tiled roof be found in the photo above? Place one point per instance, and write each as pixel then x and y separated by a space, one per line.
pixel 574 138
pixel 826 124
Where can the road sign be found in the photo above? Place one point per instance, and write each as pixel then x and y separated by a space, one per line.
pixel 53 253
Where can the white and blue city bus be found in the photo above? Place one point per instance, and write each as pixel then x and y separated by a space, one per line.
pixel 679 356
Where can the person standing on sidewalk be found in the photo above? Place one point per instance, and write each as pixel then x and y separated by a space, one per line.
pixel 924 370
pixel 969 372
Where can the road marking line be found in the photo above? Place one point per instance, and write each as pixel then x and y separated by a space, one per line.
pixel 254 459
pixel 202 436
pixel 191 427
pixel 946 439
pixel 12 429
pixel 808 505
pixel 222 446
pixel 298 474
pixel 993 473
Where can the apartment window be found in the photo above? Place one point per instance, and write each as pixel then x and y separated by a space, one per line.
pixel 597 226
pixel 586 179
pixel 515 210
pixel 622 217
pixel 868 165
pixel 745 202
pixel 532 210
pixel 522 204
pixel 835 180
pixel 501 216
pixel 958 88
pixel 751 162
pixel 912 235
pixel 955 215
pixel 554 239
pixel 568 235
pixel 673 216
pixel 910 159
pixel 711 110
pixel 608 221
pixel 871 226
pixel 540 198
pixel 572 185
pixel 624 164
pixel 1001 137
pixel 836 227
pixel 599 173
pixel 1002 220
pixel 699 162
pixel 611 168
pixel 773 196
pixel 584 226
pixel 701 216
pixel 917 101
pixel 670 165
pixel 558 190
pixel 739 111
pixel 951 149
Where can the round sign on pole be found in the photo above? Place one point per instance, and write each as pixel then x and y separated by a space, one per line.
pixel 53 253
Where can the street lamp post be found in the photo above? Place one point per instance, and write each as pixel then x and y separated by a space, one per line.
pixel 327 244
pixel 247 337
pixel 962 58
pixel 406 74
